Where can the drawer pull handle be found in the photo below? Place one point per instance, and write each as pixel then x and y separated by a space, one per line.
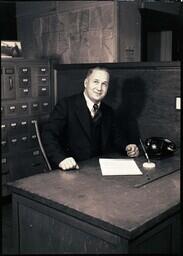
pixel 36 164
pixel 25 70
pixel 3 126
pixel 10 83
pixel 36 153
pixel 26 90
pixel 24 138
pixel 23 123
pixel 3 160
pixel 12 107
pixel 43 89
pixel 24 106
pixel 43 69
pixel 3 142
pixel 13 124
pixel 14 140
pixel 33 137
pixel 25 80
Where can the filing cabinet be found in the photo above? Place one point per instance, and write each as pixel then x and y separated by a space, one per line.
pixel 26 96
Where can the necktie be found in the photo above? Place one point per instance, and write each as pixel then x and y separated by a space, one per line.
pixel 95 108
pixel 97 112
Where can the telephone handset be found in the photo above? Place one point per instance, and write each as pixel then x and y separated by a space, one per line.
pixel 158 147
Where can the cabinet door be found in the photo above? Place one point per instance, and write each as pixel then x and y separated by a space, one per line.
pixel 9 87
pixel 2 84
pixel 28 164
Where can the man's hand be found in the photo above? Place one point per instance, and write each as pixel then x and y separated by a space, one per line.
pixel 132 150
pixel 68 163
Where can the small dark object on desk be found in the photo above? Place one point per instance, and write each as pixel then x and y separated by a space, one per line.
pixel 159 147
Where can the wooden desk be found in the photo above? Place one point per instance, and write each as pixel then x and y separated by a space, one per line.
pixel 85 212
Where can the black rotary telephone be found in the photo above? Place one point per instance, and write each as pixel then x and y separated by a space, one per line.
pixel 158 147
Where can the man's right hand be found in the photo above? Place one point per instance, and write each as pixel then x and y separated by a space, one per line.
pixel 68 163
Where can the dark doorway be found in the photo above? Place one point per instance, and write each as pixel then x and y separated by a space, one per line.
pixel 8 20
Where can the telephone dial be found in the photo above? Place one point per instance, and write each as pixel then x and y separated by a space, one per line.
pixel 158 147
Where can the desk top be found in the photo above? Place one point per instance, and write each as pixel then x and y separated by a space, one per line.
pixel 110 202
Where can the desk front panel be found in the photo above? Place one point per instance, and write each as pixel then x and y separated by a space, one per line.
pixel 45 230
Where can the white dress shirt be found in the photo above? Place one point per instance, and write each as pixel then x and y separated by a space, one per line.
pixel 90 104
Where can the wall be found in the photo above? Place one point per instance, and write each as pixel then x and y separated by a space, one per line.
pixel 72 31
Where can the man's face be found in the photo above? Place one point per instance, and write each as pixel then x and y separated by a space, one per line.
pixel 96 85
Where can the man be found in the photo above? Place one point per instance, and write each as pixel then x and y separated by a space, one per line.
pixel 82 126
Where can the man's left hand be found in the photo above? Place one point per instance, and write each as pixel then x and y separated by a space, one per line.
pixel 132 150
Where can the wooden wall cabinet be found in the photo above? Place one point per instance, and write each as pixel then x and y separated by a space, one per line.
pixel 129 32
pixel 26 96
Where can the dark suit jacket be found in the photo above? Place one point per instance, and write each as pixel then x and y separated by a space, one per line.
pixel 68 132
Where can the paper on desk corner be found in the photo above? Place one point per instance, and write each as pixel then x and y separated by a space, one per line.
pixel 119 167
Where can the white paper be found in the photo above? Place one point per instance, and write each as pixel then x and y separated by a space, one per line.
pixel 119 167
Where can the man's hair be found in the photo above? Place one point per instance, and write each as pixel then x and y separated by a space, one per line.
pixel 90 71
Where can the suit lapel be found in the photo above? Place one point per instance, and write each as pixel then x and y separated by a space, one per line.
pixel 83 115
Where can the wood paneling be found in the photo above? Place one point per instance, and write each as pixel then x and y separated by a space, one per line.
pixel 64 237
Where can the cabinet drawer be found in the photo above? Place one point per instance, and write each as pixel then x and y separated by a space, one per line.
pixel 24 141
pixel 43 91
pixel 4 146
pixel 5 178
pixel 24 81
pixel 33 142
pixel 12 109
pixel 24 92
pixel 43 80
pixel 4 164
pixel 23 108
pixel 23 125
pixel 9 90
pixel 45 106
pixel 24 71
pixel 2 111
pixel 13 128
pixel 9 70
pixel 43 70
pixel 35 106
pixel 4 130
pixel 14 143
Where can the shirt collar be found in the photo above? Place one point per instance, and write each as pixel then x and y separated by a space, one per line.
pixel 90 103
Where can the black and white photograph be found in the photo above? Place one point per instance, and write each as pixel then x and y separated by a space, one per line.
pixel 10 49
pixel 90 127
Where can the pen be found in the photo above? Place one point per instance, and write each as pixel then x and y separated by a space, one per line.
pixel 146 155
